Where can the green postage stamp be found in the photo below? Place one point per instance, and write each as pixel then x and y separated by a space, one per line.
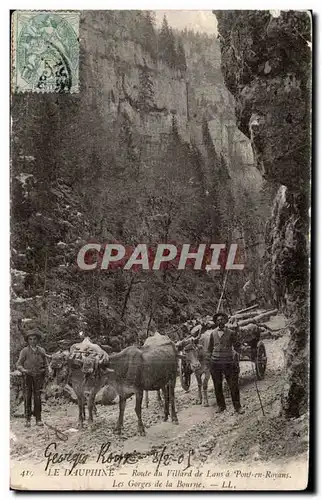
pixel 45 51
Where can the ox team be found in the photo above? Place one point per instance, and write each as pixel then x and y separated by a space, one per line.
pixel 222 355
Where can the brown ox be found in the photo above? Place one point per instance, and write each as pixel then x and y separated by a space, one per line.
pixel 150 368
pixel 195 354
pixel 86 379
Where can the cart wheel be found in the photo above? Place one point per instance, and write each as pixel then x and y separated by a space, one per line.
pixel 261 360
pixel 185 375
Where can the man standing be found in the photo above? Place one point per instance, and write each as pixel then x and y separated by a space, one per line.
pixel 223 362
pixel 33 364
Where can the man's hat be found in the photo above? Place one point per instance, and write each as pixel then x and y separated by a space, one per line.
pixel 220 315
pixel 35 332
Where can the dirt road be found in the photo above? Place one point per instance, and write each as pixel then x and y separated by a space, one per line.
pixel 227 436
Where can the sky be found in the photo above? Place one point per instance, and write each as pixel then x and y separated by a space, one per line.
pixel 203 21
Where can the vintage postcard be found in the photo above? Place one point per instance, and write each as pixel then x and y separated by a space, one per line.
pixel 160 249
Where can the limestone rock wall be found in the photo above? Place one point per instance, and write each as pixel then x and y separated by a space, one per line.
pixel 266 63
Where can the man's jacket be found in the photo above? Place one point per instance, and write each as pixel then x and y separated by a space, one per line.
pixel 33 360
pixel 221 347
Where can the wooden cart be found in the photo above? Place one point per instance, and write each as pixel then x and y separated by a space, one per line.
pixel 255 352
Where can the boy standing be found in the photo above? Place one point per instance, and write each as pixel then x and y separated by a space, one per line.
pixel 33 364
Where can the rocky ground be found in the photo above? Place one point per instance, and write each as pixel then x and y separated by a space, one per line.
pixel 225 438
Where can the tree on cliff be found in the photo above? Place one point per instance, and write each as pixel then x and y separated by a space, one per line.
pixel 146 93
pixel 167 47
pixel 148 34
pixel 220 195
pixel 181 57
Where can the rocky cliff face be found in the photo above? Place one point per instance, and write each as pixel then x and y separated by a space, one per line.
pixel 147 152
pixel 266 62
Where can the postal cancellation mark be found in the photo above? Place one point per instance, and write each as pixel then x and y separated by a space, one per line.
pixel 45 51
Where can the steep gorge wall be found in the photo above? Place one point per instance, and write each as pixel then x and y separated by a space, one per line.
pixel 266 63
pixel 124 160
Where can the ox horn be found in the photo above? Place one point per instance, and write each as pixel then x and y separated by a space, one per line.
pixel 109 370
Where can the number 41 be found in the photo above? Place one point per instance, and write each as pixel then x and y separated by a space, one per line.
pixel 26 473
